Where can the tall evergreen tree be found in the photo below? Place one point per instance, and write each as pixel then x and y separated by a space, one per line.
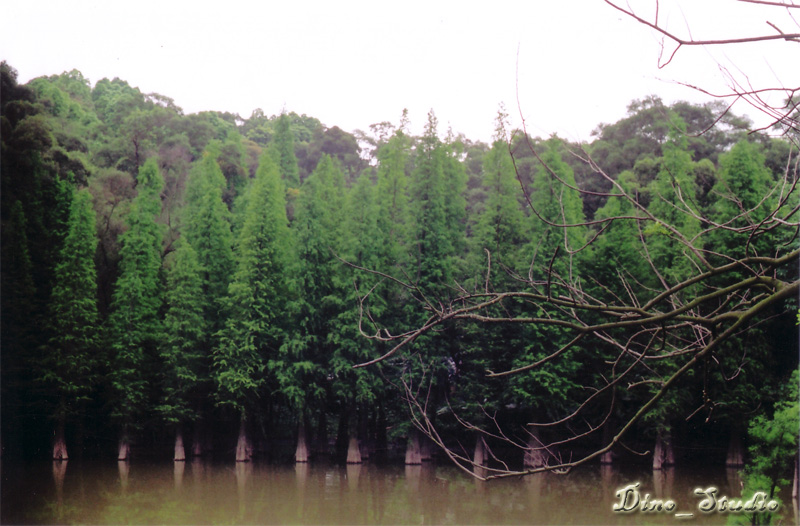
pixel 208 230
pixel 319 297
pixel 256 300
pixel 282 150
pixel 501 227
pixel 70 364
pixel 432 240
pixel 185 342
pixel 135 324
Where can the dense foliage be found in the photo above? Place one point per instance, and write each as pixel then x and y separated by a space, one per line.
pixel 190 270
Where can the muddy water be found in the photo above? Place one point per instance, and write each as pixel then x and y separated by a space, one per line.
pixel 198 492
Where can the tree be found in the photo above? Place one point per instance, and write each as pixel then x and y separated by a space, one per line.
pixel 677 311
pixel 282 148
pixel 70 363
pixel 500 229
pixel 185 344
pixel 135 324
pixel 256 301
pixel 317 301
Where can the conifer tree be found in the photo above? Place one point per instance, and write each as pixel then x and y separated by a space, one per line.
pixel 135 325
pixel 256 301
pixel 185 341
pixel 500 228
pixel 433 244
pixel 208 230
pixel 319 297
pixel 282 150
pixel 70 364
pixel 555 204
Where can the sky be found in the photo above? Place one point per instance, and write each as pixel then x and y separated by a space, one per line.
pixel 562 66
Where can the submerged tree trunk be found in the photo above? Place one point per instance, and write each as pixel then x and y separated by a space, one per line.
pixel 197 441
pixel 413 455
pixel 353 451
pixel 321 439
pixel 479 457
pixel 535 456
pixel 180 453
pixel 663 453
pixel 59 443
pixel 301 453
pixel 244 451
pixel 607 457
pixel 124 449
pixel 735 457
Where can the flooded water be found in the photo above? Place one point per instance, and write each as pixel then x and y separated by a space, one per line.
pixel 197 492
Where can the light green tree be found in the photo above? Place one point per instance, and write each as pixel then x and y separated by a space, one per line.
pixel 256 301
pixel 135 325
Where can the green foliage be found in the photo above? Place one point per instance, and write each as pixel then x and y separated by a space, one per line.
pixel 558 213
pixel 282 149
pixel 501 227
pixel 185 335
pixel 208 230
pixel 256 295
pixel 774 448
pixel 135 325
pixel 70 363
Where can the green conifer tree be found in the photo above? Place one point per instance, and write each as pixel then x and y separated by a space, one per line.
pixel 135 324
pixel 185 342
pixel 70 364
pixel 256 300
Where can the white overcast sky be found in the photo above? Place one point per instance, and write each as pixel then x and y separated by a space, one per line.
pixel 351 64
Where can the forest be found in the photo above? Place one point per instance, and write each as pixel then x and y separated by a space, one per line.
pixel 182 285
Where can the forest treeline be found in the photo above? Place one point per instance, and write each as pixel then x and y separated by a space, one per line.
pixel 171 278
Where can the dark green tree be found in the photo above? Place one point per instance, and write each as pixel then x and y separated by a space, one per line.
pixel 319 297
pixel 69 367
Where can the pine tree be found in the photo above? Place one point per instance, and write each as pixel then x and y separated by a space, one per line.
pixel 135 325
pixel 256 300
pixel 70 365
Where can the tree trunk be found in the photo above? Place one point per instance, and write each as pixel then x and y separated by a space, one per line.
pixel 301 453
pixel 479 457
pixel 413 456
pixel 607 457
pixel 321 438
pixel 425 449
pixel 180 453
pixel 735 457
pixel 796 478
pixel 59 443
pixel 535 456
pixel 663 453
pixel 244 451
pixel 353 451
pixel 124 449
pixel 197 441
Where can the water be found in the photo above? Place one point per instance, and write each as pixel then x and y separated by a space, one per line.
pixel 197 492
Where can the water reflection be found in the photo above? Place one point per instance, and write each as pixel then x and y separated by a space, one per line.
pixel 180 467
pixel 251 493
pixel 124 468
